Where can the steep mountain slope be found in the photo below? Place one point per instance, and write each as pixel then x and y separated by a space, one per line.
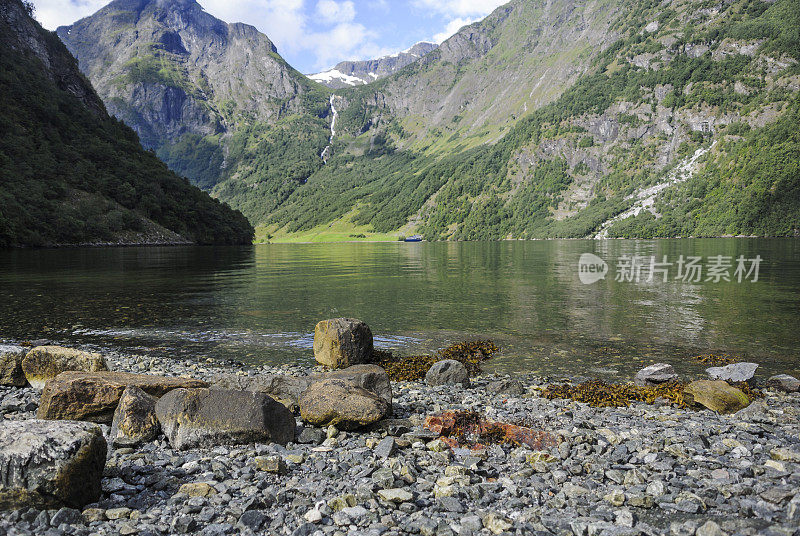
pixel 188 82
pixel 666 81
pixel 71 174
pixel 357 73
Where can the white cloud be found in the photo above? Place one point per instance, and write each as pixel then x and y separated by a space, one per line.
pixel 336 12
pixel 460 8
pixel 452 27
pixel 54 13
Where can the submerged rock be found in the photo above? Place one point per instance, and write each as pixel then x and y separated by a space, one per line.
pixel 737 372
pixel 717 396
pixel 193 418
pixel 46 362
pixel 655 374
pixel 11 373
pixel 338 402
pixel 135 418
pixel 447 372
pixel 93 396
pixel 342 342
pixel 785 383
pixel 45 464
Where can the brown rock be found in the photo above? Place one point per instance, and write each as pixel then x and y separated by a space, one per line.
pixel 11 373
pixel 93 396
pixel 135 418
pixel 338 402
pixel 342 342
pixel 716 395
pixel 46 362
pixel 370 377
pixel 283 388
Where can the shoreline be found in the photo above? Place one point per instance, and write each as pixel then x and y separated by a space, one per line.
pixel 644 469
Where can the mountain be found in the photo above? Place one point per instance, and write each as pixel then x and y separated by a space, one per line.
pixel 202 93
pixel 549 118
pixel 71 174
pixel 355 73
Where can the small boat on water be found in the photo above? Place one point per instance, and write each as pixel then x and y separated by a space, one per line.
pixel 415 238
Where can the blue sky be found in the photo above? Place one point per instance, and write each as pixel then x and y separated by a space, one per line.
pixel 314 35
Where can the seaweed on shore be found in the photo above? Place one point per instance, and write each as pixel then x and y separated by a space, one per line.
pixel 715 360
pixel 411 368
pixel 600 394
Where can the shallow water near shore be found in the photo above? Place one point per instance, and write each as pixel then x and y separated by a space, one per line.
pixel 259 304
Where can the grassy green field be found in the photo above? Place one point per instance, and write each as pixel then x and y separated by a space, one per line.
pixel 341 230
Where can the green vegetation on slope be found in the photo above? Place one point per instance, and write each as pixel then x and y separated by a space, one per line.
pixel 68 175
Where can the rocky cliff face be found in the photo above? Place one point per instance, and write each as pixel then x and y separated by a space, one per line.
pixel 169 69
pixel 355 73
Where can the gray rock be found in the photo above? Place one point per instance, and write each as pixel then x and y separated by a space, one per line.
pixel 655 374
pixel 785 383
pixel 342 342
pixel 253 520
pixel 312 435
pixel 282 387
pixel 68 516
pixel 737 372
pixel 447 372
pixel 385 448
pixel 135 418
pixel 710 528
pixel 11 373
pixel 49 464
pixel 206 418
pixel 506 387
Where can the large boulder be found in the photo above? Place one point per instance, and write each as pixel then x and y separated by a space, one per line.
pixel 93 396
pixel 447 372
pixel 192 418
pixel 340 403
pixel 342 342
pixel 785 383
pixel 370 377
pixel 283 388
pixel 717 396
pixel 46 464
pixel 737 372
pixel 46 362
pixel 11 373
pixel 655 374
pixel 135 418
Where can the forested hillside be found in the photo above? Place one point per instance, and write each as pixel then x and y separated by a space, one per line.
pixel 69 173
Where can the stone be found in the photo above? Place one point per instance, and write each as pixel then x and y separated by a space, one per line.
pixel 135 419
pixel 447 372
pixel 46 362
pixel 655 374
pixel 497 523
pixel 717 396
pixel 94 396
pixel 710 528
pixel 370 377
pixel 783 454
pixel 385 448
pixel 737 372
pixel 11 373
pixel 342 342
pixel 192 418
pixel 90 515
pixel 196 489
pixel 615 497
pixel 283 388
pixel 118 513
pixel 506 387
pixel 271 464
pixel 339 403
pixel 45 464
pixel 785 383
pixel 67 516
pixel 253 519
pixel 396 495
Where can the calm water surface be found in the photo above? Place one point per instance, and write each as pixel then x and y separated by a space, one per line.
pixel 259 304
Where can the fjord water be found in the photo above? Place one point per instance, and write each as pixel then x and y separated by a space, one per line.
pixel 260 304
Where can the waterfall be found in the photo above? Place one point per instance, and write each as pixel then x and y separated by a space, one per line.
pixel 327 149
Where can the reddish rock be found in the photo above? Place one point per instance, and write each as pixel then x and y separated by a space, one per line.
pixel 470 429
